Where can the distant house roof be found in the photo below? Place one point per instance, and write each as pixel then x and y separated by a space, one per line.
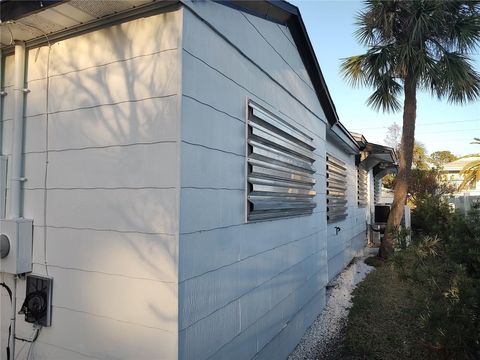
pixel 459 164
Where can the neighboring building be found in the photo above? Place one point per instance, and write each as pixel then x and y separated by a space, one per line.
pixel 191 188
pixel 464 198
pixel 451 172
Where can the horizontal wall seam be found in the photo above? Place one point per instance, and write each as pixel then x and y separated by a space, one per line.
pixel 211 188
pixel 113 319
pixel 340 252
pixel 249 257
pixel 93 106
pixel 290 320
pixel 102 65
pixel 102 147
pixel 251 290
pixel 214 149
pixel 214 108
pixel 131 188
pixel 50 265
pixel 268 312
pixel 101 105
pixel 280 55
pixel 68 349
pixel 101 188
pixel 258 97
pixel 106 230
pixel 290 41
pixel 242 224
pixel 214 29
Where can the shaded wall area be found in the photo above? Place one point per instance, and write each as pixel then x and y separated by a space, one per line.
pixel 343 245
pixel 245 289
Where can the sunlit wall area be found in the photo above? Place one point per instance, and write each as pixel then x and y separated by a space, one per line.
pixel 101 166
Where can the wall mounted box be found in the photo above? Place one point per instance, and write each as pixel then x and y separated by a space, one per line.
pixel 37 306
pixel 19 233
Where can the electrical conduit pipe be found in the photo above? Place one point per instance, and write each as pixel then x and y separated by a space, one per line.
pixel 16 169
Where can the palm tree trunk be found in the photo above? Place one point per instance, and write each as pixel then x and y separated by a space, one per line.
pixel 405 164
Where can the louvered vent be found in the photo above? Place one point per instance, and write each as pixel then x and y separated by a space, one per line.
pixel 362 187
pixel 377 189
pixel 336 189
pixel 280 167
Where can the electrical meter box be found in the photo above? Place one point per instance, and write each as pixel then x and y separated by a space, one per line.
pixel 18 257
pixel 37 306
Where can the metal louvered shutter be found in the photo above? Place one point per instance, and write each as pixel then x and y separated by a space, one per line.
pixel 336 189
pixel 362 192
pixel 280 167
pixel 377 189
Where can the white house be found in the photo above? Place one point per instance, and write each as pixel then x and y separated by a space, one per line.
pixel 168 165
pixel 451 172
pixel 463 198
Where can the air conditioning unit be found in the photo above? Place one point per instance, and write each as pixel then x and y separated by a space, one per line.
pixel 381 213
pixel 16 245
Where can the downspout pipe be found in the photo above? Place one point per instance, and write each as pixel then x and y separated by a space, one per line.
pixel 16 172
pixel 18 125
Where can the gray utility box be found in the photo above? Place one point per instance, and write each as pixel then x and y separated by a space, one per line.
pixel 19 232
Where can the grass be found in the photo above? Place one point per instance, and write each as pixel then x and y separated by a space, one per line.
pixel 383 321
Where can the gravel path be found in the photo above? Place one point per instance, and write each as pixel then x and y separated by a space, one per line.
pixel 324 338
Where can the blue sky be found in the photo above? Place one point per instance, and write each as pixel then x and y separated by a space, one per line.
pixel 440 126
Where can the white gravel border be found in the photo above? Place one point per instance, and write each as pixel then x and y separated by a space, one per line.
pixel 323 335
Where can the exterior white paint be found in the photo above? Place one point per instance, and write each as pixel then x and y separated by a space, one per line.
pixel 245 289
pixel 463 199
pixel 343 245
pixel 111 194
pixel 144 231
pixel 451 174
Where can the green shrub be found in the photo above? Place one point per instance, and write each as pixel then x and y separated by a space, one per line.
pixel 463 245
pixel 432 216
pixel 449 297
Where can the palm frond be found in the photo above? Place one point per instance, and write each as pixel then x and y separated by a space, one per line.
pixel 465 33
pixel 353 70
pixel 428 40
pixel 470 174
pixel 375 69
pixel 385 97
pixel 453 77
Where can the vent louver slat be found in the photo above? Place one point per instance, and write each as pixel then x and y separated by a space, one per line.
pixel 362 187
pixel 280 167
pixel 336 189
pixel 377 188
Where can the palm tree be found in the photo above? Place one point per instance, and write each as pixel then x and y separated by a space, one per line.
pixel 471 171
pixel 418 44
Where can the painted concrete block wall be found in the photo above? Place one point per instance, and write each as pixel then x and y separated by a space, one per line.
pixel 106 209
pixel 245 289
pixel 344 245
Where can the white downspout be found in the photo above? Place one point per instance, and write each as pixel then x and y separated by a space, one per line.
pixel 16 170
pixel 17 143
